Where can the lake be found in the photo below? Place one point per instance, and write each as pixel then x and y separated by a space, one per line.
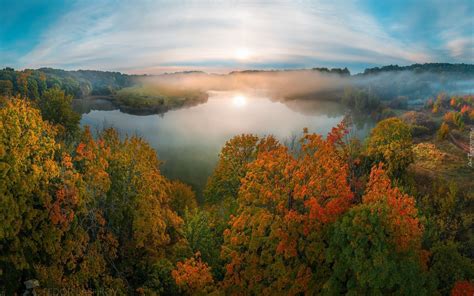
pixel 188 140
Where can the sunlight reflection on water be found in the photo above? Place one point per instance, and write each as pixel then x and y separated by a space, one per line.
pixel 188 140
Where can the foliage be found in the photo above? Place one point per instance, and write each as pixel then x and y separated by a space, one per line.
pixel 360 100
pixel 149 98
pixel 193 276
pixel 376 247
pixel 402 215
pixel 138 202
pixel 273 244
pixel 56 107
pixel 201 238
pixel 420 123
pixel 32 83
pixel 447 209
pixel 99 220
pixel 6 88
pixel 391 142
pixel 40 193
pixel 438 103
pixel 462 288
pixel 448 266
pixel 182 197
pixel 232 166
pixel 98 217
pixel 455 118
pixel 428 67
pixel 365 260
pixel 158 279
pixel 443 131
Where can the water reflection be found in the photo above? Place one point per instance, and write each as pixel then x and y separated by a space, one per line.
pixel 239 101
pixel 189 140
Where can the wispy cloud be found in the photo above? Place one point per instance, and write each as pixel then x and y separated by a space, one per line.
pixel 144 36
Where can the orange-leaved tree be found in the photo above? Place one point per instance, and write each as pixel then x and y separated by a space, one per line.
pixel 231 168
pixel 376 247
pixel 193 276
pixel 275 242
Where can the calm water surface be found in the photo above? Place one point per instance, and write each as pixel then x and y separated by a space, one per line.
pixel 188 140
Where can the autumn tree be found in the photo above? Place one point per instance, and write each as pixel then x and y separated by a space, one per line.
pixel 6 88
pixel 364 257
pixel 200 233
pixel 134 199
pixel 56 107
pixel 39 190
pixel 234 157
pixel 376 247
pixel 223 185
pixel 447 210
pixel 443 131
pixel 275 242
pixel 182 197
pixel 448 266
pixel 22 83
pixel 390 142
pixel 231 167
pixel 193 276
pixel 463 288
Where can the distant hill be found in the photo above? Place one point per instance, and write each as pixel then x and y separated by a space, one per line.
pixel 430 79
pixel 421 68
pixel 93 82
pixel 80 83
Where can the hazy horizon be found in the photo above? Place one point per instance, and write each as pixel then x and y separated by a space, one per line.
pixel 144 37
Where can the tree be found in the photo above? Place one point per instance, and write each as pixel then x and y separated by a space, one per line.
pixel 40 196
pixel 447 209
pixel 6 88
pixel 56 107
pixel 376 247
pixel 193 276
pixel 275 242
pixel 22 83
pixel 390 142
pixel 463 288
pixel 365 259
pixel 222 187
pixel 402 217
pixel 234 156
pixel 201 237
pixel 33 92
pixel 360 100
pixel 232 165
pixel 182 197
pixel 449 267
pixel 443 131
pixel 134 199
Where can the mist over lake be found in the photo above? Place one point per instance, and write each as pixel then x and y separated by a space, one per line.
pixel 188 140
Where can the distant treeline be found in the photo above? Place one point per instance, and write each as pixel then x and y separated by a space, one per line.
pixel 421 68
pixel 340 71
pixel 415 82
pixel 32 83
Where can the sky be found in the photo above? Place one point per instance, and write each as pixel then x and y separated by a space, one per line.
pixel 153 37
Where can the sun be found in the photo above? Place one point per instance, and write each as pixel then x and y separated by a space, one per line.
pixel 239 101
pixel 242 53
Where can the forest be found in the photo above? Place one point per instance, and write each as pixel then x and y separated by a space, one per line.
pixel 90 213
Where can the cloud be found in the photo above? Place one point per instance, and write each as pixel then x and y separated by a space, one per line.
pixel 461 47
pixel 143 36
pixel 456 30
